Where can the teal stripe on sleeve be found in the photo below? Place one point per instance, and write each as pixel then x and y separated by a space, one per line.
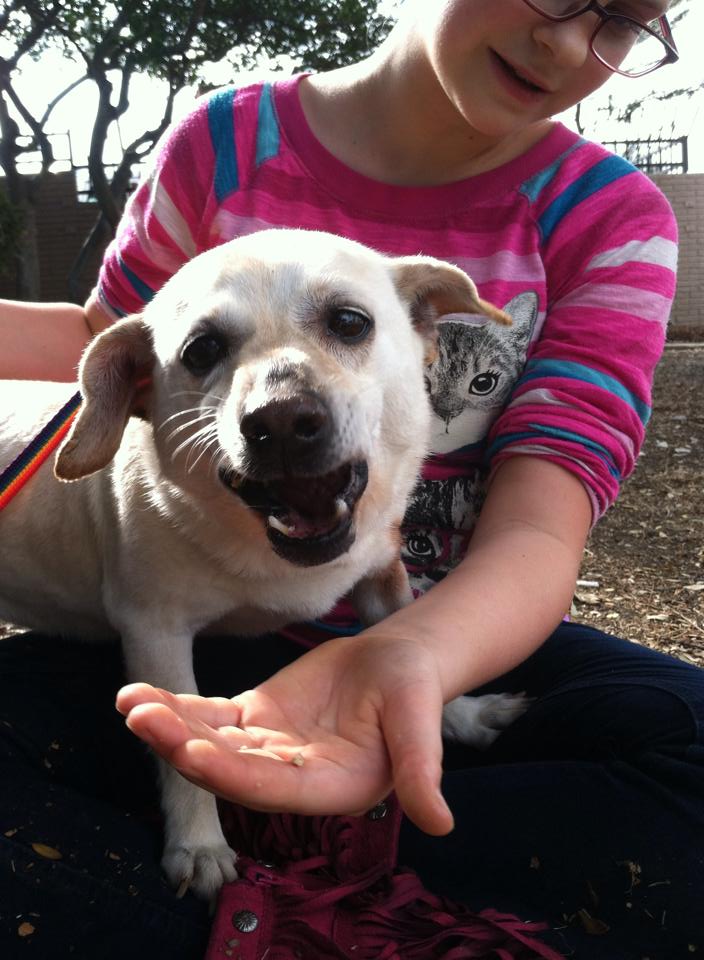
pixel 268 137
pixel 143 290
pixel 533 187
pixel 599 176
pixel 540 431
pixel 221 122
pixel 570 370
pixel 111 306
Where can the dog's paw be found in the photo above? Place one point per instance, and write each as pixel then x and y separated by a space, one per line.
pixel 200 868
pixel 477 721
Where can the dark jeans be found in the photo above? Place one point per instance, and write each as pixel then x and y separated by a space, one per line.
pixel 589 811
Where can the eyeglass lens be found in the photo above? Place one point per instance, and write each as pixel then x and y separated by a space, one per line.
pixel 620 42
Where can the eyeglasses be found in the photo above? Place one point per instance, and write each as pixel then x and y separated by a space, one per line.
pixel 622 44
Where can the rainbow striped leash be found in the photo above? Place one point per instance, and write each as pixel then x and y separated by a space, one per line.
pixel 23 467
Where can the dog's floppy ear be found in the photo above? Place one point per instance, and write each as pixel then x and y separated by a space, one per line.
pixel 433 288
pixel 114 375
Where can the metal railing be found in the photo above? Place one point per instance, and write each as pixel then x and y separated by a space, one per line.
pixel 654 155
pixel 64 160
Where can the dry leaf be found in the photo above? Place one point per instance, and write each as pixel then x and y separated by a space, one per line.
pixel 593 926
pixel 51 853
pixel 589 598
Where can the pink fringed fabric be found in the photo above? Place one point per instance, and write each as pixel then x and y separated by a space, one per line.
pixel 326 888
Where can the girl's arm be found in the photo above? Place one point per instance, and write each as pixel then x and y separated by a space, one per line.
pixel 363 713
pixel 44 341
pixel 516 583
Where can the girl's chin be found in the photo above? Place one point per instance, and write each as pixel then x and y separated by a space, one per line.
pixel 502 126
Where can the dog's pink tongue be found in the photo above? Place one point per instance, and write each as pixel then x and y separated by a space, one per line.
pixel 312 505
pixel 298 527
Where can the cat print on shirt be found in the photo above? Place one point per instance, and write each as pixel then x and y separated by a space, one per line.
pixel 469 383
pixel 472 377
pixel 437 525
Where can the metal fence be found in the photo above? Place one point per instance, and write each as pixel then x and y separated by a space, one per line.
pixel 654 156
pixel 30 162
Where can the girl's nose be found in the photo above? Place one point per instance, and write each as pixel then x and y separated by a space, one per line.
pixel 568 42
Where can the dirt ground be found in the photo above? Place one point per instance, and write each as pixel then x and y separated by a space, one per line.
pixel 643 571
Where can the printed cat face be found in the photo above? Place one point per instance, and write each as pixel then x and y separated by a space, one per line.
pixel 475 370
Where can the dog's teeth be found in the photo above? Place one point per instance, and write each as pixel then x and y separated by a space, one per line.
pixel 281 527
pixel 341 509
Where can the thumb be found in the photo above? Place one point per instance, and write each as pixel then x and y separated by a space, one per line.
pixel 411 724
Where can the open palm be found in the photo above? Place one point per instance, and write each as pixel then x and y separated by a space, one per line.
pixel 332 733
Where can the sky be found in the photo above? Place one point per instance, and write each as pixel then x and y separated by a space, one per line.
pixel 669 119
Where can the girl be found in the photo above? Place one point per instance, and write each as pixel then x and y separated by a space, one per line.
pixel 586 813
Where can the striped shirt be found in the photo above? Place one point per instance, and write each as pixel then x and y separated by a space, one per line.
pixel 575 243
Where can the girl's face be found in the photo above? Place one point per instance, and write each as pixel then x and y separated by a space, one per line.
pixel 503 67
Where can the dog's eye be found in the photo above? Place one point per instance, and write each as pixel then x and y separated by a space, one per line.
pixel 348 324
pixel 202 353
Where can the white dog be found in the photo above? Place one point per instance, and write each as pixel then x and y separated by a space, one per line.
pixel 243 457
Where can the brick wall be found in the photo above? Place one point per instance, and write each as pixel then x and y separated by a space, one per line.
pixel 64 224
pixel 686 194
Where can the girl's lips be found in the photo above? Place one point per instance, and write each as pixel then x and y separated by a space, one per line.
pixel 516 81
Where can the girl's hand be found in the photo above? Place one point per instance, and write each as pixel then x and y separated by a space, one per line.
pixel 332 733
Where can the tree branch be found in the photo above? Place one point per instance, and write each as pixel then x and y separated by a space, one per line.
pixel 59 97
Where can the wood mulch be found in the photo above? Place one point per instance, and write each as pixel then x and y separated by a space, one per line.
pixel 643 571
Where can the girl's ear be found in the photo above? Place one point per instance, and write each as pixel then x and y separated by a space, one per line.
pixel 432 288
pixel 115 380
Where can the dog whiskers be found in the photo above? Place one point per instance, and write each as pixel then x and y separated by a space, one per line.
pixel 206 442
pixel 207 433
pixel 202 411
pixel 218 458
pixel 195 393
pixel 191 423
pixel 191 468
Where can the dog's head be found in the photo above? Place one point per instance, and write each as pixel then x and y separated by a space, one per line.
pixel 286 366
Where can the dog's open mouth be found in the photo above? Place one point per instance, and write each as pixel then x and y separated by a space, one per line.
pixel 309 520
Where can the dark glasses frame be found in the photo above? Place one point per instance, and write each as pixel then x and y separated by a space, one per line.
pixel 664 36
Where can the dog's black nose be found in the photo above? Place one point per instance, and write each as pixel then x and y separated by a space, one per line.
pixel 289 435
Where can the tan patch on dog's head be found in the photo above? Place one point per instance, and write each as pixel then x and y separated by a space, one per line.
pixel 432 289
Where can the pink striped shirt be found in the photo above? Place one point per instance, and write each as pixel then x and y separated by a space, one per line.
pixel 574 242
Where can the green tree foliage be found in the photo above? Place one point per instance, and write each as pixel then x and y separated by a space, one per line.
pixel 170 40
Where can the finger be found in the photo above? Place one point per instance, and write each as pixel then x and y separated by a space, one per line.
pixel 165 729
pixel 160 727
pixel 134 693
pixel 412 729
pixel 214 711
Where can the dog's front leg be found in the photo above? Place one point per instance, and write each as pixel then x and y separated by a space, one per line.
pixel 381 594
pixel 196 854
